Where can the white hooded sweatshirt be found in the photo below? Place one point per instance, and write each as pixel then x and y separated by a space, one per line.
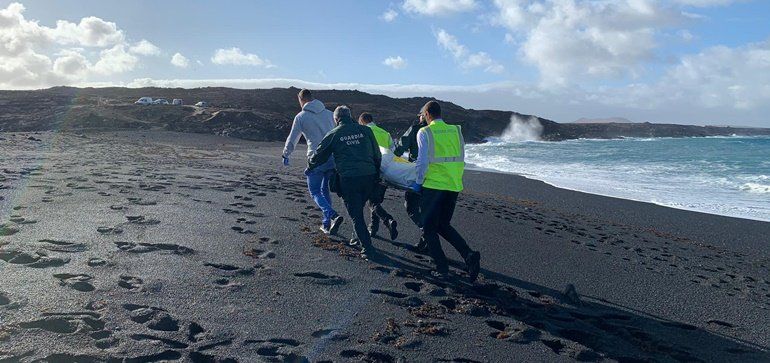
pixel 313 122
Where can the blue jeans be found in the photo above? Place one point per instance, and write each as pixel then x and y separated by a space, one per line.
pixel 318 184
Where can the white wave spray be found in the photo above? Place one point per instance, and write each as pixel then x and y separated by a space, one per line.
pixel 521 129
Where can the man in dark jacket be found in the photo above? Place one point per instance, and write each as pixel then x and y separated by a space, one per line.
pixel 358 159
pixel 408 142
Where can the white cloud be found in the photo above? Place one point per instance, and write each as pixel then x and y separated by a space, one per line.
pixel 91 31
pixel 144 47
pixel 686 35
pixel 705 3
pixel 450 43
pixel 234 56
pixel 178 60
pixel 722 77
pixel 33 55
pixel 464 57
pixel 72 64
pixel 395 62
pixel 438 7
pixel 483 60
pixel 389 15
pixel 115 60
pixel 570 40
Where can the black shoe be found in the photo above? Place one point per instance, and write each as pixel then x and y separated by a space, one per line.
pixel 473 264
pixel 393 229
pixel 421 247
pixel 368 253
pixel 336 223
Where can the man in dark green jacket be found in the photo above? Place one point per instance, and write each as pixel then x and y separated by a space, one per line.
pixel 357 157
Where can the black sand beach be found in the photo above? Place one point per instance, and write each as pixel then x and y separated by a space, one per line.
pixel 158 246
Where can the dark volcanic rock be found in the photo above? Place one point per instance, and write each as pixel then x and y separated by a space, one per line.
pixel 267 114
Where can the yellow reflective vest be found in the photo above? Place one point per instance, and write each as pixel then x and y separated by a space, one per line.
pixel 446 156
pixel 382 136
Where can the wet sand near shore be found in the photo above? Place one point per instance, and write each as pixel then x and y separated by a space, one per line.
pixel 159 246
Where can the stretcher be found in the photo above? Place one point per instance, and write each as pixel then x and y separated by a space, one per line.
pixel 396 171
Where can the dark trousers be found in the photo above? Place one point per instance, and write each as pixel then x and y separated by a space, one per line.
pixel 412 204
pixel 378 213
pixel 437 208
pixel 356 191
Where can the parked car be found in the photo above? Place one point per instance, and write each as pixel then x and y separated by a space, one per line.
pixel 161 101
pixel 144 101
pixel 202 104
pixel 177 101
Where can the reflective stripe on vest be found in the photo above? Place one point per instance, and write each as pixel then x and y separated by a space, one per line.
pixel 432 158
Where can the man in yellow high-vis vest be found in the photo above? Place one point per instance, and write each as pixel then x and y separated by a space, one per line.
pixel 440 167
pixel 378 213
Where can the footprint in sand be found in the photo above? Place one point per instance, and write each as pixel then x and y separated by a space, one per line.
pixel 321 278
pixel 142 220
pixel 278 349
pixel 140 201
pixel 62 246
pixel 79 282
pixel 21 220
pixel 132 247
pixel 109 230
pixel 159 340
pixel 152 317
pixel 36 260
pixel 414 286
pixel 241 230
pixel 96 262
pixel 257 253
pixel 519 334
pixel 229 270
pixel 66 323
pixel 130 283
pixel 6 230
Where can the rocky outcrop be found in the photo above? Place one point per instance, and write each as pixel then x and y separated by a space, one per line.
pixel 267 114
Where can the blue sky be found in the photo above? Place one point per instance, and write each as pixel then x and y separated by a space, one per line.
pixel 685 61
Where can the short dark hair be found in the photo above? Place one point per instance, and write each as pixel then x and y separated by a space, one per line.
pixel 433 109
pixel 305 94
pixel 366 117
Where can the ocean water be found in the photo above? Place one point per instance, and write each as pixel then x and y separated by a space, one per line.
pixel 719 175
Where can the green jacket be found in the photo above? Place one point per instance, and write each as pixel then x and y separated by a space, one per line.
pixel 383 137
pixel 354 147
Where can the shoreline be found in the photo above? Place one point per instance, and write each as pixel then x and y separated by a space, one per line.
pixel 532 177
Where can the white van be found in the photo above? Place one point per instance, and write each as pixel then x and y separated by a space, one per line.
pixel 144 101
pixel 202 104
pixel 177 101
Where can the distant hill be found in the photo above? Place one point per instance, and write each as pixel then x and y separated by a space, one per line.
pixel 267 114
pixel 610 120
